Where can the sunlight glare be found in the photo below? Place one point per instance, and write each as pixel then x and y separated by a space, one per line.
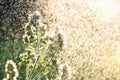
pixel 107 10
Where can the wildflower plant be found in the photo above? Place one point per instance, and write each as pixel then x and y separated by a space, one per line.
pixel 40 56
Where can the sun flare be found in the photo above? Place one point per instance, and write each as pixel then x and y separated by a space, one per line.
pixel 107 10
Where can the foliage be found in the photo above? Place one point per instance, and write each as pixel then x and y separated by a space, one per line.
pixel 41 52
pixel 91 40
pixel 9 50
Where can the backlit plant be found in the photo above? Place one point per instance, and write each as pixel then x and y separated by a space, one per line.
pixel 39 59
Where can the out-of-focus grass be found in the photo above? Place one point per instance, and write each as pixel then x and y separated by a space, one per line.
pixel 91 37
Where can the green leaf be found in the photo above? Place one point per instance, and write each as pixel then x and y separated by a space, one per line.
pixel 41 59
pixel 38 33
pixel 26 55
pixel 35 69
pixel 43 64
pixel 20 63
pixel 45 72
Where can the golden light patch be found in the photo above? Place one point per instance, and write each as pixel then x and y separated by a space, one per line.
pixel 107 10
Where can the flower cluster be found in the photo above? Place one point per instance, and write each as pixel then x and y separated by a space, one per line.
pixel 11 70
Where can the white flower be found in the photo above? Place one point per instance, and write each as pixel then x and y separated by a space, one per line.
pixel 14 69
